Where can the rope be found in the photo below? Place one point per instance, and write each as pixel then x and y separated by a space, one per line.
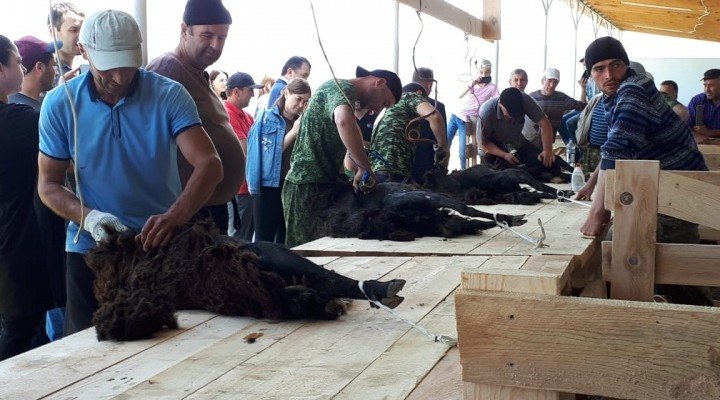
pixel 73 110
pixel 444 339
pixel 562 198
pixel 539 243
pixel 337 83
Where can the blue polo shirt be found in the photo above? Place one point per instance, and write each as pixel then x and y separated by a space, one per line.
pixel 127 153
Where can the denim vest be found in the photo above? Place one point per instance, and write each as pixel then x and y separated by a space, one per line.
pixel 264 150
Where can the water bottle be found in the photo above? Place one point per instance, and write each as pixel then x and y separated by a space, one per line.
pixel 577 180
pixel 570 151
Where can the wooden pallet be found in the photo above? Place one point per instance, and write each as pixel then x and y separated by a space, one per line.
pixel 542 344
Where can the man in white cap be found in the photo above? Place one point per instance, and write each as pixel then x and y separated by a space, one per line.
pixel 130 125
pixel 553 102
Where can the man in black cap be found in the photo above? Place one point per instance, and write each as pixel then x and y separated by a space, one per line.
pixel 500 131
pixel 203 32
pixel 704 108
pixel 328 130
pixel 641 126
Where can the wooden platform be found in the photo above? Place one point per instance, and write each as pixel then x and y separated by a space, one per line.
pixel 366 354
pixel 562 223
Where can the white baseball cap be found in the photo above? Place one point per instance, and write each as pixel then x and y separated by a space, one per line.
pixel 552 73
pixel 112 39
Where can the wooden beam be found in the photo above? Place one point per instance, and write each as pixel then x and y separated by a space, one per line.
pixel 449 14
pixel 709 177
pixel 679 264
pixel 592 346
pixel 634 229
pixel 689 199
pixel 491 21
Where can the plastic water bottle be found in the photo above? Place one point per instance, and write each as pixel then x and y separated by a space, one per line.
pixel 570 151
pixel 577 181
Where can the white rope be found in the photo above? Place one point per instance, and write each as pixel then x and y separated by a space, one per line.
pixel 539 243
pixel 444 339
pixel 561 198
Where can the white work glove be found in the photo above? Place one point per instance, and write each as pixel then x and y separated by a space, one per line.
pixel 96 221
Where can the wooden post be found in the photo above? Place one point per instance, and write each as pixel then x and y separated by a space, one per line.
pixel 632 271
pixel 538 274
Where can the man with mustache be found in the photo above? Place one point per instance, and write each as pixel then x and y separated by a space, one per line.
pixel 641 126
pixel 203 32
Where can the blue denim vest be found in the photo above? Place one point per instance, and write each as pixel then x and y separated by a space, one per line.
pixel 264 150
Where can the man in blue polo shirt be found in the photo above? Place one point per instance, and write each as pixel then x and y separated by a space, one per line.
pixel 130 125
pixel 704 108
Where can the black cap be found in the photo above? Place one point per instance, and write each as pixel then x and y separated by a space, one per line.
pixel 512 100
pixel 713 73
pixel 206 12
pixel 605 48
pixel 242 80
pixel 392 80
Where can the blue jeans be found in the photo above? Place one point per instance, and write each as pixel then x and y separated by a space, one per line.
pixel 568 127
pixel 455 124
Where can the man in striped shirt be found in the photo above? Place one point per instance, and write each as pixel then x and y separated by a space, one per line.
pixel 641 126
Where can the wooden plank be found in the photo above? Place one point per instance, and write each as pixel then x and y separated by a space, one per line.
pixel 59 364
pixel 680 264
pixel 449 14
pixel 634 228
pixel 610 190
pixel 689 199
pixel 611 348
pixel 397 371
pixel 123 376
pixel 297 366
pixel 490 392
pixel 443 381
pixel 709 234
pixel 535 274
pixel 196 371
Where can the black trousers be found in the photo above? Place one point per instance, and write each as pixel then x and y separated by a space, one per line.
pixel 243 217
pixel 268 215
pixel 19 334
pixel 219 215
pixel 81 302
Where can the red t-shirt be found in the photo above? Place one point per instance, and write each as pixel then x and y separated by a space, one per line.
pixel 241 122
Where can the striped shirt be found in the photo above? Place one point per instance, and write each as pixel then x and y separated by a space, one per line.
pixel 555 105
pixel 641 126
pixel 598 127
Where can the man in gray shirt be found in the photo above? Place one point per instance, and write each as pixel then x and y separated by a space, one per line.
pixel 500 130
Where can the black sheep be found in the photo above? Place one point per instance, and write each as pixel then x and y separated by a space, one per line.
pixel 138 292
pixel 399 212
pixel 481 184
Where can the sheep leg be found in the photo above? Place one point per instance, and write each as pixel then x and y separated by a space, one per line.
pixel 424 200
pixel 296 269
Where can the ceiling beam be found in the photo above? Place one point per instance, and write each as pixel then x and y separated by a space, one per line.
pixel 454 16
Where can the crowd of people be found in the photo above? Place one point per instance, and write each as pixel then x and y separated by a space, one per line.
pixel 111 144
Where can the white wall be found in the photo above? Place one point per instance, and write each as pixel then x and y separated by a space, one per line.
pixel 686 72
